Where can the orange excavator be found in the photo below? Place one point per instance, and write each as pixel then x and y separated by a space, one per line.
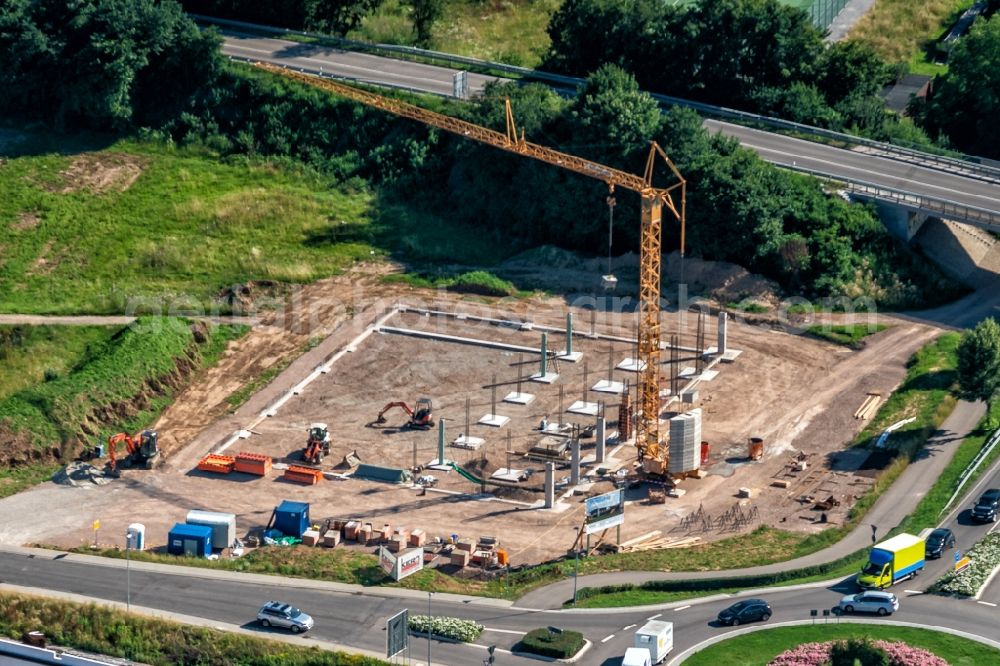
pixel 143 451
pixel 421 416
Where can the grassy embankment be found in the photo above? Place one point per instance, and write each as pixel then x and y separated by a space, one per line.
pixel 902 31
pixel 122 380
pixel 189 225
pixel 760 647
pixel 154 641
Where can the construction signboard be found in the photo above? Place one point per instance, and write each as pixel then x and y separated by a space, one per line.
pixel 397 633
pixel 402 565
pixel 604 511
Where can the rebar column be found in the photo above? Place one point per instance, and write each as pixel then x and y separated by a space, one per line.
pixel 599 433
pixel 569 333
pixel 574 460
pixel 543 367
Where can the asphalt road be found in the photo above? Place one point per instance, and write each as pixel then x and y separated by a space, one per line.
pixel 357 619
pixel 775 148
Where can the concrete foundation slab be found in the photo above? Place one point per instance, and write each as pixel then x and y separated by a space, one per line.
pixel 572 357
pixel 519 398
pixel 438 464
pixel 468 442
pixel 608 386
pixel 557 428
pixel 585 408
pixel 504 474
pixel 686 372
pixel 711 351
pixel 547 378
pixel 709 375
pixel 632 365
pixel 731 355
pixel 494 420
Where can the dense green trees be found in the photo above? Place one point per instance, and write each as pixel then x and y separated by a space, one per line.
pixel 966 101
pixel 979 363
pixel 335 17
pixel 758 55
pixel 101 63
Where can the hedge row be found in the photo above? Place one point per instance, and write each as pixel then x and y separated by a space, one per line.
pixel 561 645
pixel 712 584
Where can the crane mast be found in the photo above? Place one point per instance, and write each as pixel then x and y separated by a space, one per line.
pixel 651 451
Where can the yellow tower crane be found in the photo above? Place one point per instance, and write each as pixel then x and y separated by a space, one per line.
pixel 652 453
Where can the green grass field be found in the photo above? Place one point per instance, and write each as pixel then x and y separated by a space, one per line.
pixel 850 335
pixel 905 31
pixel 187 226
pixel 759 647
pixel 27 353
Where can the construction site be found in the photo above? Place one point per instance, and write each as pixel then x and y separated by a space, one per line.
pixel 505 432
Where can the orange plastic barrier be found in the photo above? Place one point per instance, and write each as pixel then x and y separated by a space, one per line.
pixel 216 463
pixel 253 463
pixel 305 475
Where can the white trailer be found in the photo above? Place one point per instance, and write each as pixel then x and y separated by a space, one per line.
pixel 657 637
pixel 223 526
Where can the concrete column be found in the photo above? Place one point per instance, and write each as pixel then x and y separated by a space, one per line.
pixel 569 333
pixel 723 319
pixel 550 484
pixel 441 442
pixel 574 461
pixel 600 434
pixel 543 368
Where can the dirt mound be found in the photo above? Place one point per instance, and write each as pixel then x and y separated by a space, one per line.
pixel 101 172
pixel 78 474
pixel 720 280
pixel 16 448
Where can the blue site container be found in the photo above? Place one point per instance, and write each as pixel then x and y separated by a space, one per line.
pixel 292 518
pixel 190 540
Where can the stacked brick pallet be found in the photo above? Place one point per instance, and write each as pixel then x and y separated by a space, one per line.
pixel 304 475
pixel 253 463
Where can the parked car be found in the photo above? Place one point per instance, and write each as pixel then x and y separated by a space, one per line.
pixel 883 603
pixel 744 611
pixel 279 614
pixel 939 541
pixel 985 510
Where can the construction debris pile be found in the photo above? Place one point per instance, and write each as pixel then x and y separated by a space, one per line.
pixel 78 474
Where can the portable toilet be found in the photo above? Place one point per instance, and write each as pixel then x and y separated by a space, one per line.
pixel 292 518
pixel 136 535
pixel 190 540
pixel 223 526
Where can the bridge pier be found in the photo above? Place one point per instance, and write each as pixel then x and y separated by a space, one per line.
pixel 902 224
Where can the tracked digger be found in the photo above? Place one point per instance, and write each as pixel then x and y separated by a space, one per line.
pixel 143 452
pixel 421 416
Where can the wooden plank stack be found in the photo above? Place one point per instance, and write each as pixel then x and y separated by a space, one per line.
pixel 217 464
pixel 869 406
pixel 652 541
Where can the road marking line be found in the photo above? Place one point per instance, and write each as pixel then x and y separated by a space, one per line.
pixel 987 603
pixel 682 608
pixel 607 638
pixel 503 631
pixel 913 591
pixel 628 627
pixel 653 617
pixel 995 525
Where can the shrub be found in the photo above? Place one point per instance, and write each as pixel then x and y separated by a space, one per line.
pixel 857 651
pixel 985 557
pixel 483 283
pixel 454 628
pixel 561 645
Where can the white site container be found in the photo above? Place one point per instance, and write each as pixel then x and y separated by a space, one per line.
pixel 223 526
pixel 136 535
pixel 657 637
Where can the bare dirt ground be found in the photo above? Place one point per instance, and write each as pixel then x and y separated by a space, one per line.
pixel 797 393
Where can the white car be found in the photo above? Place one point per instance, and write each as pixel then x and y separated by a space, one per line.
pixel 278 614
pixel 882 603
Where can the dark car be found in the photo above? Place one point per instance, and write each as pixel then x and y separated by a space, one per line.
pixel 744 611
pixel 939 541
pixel 985 510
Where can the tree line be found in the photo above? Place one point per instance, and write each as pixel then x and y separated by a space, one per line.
pixel 166 80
